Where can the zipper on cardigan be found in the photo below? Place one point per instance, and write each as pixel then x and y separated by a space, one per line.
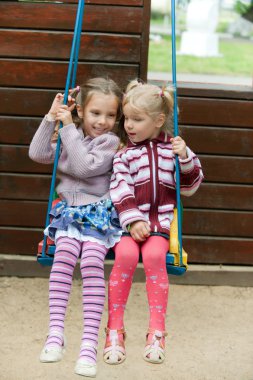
pixel 153 172
pixel 153 177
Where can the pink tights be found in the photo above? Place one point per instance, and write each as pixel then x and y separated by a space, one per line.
pixel 127 252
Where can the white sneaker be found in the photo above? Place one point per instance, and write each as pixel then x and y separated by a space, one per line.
pixel 85 368
pixel 53 354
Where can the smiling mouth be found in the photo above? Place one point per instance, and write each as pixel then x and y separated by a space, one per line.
pixel 98 129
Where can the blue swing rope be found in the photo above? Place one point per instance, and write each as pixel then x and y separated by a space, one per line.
pixel 78 41
pixel 176 131
pixel 70 80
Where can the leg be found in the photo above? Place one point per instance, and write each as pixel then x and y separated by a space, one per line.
pixel 126 259
pixel 120 281
pixel 154 260
pixel 66 255
pixel 92 270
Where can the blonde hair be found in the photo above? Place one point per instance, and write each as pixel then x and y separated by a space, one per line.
pixel 82 94
pixel 151 99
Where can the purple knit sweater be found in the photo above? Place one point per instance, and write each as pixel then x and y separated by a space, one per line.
pixel 85 163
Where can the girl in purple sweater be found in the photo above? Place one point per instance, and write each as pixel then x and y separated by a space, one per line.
pixel 84 223
pixel 143 191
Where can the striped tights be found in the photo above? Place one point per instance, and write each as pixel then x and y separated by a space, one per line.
pixel 93 293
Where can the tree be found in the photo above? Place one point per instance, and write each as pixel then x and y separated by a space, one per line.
pixel 245 10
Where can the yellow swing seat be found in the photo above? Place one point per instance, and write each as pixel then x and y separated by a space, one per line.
pixel 173 264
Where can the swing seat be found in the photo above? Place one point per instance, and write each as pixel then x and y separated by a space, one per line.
pixel 173 257
pixel 48 258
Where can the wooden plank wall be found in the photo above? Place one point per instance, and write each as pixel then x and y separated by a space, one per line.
pixel 216 122
pixel 35 44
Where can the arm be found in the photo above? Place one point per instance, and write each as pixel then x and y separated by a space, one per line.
pixel 122 194
pixel 191 174
pixel 41 149
pixel 90 158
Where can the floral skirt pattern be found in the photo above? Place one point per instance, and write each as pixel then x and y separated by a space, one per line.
pixel 93 222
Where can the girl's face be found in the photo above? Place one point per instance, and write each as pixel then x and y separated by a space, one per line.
pixel 139 126
pixel 99 114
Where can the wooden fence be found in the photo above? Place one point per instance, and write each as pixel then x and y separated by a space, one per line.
pixel 35 43
pixel 217 123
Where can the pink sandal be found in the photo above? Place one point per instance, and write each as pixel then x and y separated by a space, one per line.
pixel 114 350
pixel 154 349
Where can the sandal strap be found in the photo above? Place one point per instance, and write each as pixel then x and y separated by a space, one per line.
pixel 156 341
pixel 157 333
pixel 121 331
pixel 116 346
pixel 154 353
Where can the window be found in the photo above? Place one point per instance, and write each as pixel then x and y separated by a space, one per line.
pixel 214 41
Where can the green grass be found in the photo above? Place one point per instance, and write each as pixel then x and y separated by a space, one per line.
pixel 236 59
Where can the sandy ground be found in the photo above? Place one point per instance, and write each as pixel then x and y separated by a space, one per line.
pixel 210 334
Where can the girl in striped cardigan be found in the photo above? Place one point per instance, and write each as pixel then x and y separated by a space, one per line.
pixel 143 191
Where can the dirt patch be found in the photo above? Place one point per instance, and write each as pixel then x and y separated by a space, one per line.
pixel 210 334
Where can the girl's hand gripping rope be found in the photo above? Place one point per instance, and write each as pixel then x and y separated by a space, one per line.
pixel 64 114
pixel 55 108
pixel 179 147
pixel 58 102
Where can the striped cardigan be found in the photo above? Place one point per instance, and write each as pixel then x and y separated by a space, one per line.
pixel 143 182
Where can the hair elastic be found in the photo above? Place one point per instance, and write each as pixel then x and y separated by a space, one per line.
pixel 140 82
pixel 161 93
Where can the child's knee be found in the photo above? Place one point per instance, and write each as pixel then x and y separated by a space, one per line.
pixel 127 252
pixel 154 252
pixel 126 258
pixel 154 258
